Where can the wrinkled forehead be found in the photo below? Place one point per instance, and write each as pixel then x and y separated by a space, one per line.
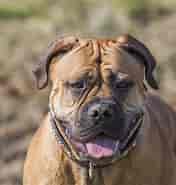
pixel 97 55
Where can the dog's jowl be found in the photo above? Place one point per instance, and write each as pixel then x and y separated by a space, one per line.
pixel 106 124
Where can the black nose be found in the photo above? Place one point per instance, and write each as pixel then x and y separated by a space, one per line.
pixel 101 112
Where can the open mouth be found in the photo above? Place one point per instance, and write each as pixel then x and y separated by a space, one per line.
pixel 103 146
pixel 99 147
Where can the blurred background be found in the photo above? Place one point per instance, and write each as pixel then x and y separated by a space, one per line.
pixel 26 28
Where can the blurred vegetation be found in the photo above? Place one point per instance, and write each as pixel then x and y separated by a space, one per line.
pixel 15 10
pixel 138 7
pixel 23 9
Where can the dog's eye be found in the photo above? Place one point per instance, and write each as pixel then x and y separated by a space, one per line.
pixel 77 87
pixel 119 84
pixel 78 84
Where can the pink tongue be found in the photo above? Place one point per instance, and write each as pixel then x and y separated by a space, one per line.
pixel 101 147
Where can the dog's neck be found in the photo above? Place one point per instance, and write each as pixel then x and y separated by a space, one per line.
pixel 113 174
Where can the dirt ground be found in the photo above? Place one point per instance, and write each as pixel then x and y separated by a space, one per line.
pixel 23 106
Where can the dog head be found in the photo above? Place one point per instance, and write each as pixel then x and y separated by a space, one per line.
pixel 97 91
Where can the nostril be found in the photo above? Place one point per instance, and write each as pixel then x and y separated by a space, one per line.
pixel 107 114
pixel 94 113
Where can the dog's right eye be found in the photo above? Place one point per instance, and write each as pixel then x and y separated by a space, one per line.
pixel 78 84
pixel 77 87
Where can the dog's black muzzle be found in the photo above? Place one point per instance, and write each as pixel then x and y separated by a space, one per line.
pixel 100 116
pixel 104 121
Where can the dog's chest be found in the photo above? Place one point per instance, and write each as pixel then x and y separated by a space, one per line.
pixel 101 177
pixel 84 177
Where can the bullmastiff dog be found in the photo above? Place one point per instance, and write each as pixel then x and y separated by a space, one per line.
pixel 105 125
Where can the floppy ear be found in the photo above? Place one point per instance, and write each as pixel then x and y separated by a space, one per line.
pixel 58 47
pixel 138 49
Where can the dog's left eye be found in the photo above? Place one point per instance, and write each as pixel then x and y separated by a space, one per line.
pixel 123 84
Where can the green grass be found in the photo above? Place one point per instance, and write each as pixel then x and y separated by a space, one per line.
pixel 18 9
pixel 143 7
pixel 9 13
